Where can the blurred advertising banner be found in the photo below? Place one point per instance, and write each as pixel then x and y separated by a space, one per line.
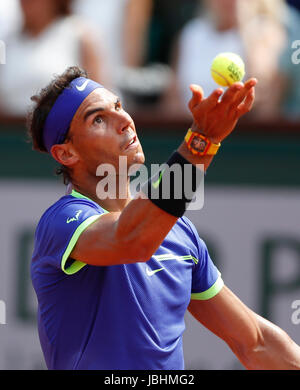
pixel 253 237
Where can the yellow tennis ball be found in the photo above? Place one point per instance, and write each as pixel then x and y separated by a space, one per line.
pixel 227 68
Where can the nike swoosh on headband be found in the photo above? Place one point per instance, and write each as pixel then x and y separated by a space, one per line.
pixel 83 86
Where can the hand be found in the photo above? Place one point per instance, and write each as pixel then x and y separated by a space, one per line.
pixel 216 118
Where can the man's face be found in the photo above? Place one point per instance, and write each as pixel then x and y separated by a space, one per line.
pixel 101 131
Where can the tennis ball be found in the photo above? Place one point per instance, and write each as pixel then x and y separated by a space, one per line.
pixel 227 68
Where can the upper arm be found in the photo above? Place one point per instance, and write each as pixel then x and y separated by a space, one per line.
pixel 257 342
pixel 100 245
pixel 127 237
pixel 228 318
pixel 78 232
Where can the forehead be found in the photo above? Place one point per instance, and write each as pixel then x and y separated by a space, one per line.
pixel 100 97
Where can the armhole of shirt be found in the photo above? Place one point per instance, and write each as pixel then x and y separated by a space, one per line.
pixel 211 292
pixel 76 265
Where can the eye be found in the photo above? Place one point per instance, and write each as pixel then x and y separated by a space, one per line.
pixel 98 119
pixel 118 106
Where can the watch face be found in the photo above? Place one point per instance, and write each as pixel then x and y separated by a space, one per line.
pixel 198 144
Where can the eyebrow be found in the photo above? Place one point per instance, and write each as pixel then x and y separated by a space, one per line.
pixel 91 112
pixel 97 109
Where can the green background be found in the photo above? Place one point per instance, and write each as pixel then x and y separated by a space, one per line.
pixel 245 158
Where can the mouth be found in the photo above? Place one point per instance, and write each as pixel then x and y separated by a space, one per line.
pixel 132 143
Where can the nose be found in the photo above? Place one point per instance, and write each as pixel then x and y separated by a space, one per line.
pixel 125 122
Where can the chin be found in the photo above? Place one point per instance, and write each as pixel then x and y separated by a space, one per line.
pixel 138 158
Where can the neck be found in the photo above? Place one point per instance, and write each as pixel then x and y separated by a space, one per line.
pixel 115 190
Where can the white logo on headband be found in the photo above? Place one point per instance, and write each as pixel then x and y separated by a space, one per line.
pixel 83 86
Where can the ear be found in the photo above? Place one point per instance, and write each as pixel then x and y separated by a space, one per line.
pixel 64 154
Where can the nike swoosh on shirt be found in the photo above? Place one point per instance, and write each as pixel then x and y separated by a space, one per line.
pixel 83 86
pixel 151 273
pixel 156 183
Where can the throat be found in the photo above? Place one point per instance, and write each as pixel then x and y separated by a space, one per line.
pixel 110 192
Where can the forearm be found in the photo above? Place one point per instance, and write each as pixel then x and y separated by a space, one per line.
pixel 142 226
pixel 274 351
pixel 145 216
pixel 257 343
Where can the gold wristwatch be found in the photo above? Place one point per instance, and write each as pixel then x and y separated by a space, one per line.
pixel 200 145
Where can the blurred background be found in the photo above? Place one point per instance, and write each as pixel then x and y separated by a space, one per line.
pixel 149 52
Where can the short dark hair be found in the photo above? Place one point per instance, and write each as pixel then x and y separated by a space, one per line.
pixel 44 102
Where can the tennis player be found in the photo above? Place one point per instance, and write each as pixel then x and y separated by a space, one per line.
pixel 114 277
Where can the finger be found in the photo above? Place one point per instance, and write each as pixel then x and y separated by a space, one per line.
pixel 247 104
pixel 241 96
pixel 231 93
pixel 197 97
pixel 213 98
pixel 251 83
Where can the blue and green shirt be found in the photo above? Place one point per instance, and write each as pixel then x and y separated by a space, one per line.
pixel 119 317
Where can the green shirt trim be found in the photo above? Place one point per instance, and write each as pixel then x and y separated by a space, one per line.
pixel 211 292
pixel 168 256
pixel 78 195
pixel 76 265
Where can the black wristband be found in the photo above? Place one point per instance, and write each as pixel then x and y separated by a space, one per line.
pixel 173 187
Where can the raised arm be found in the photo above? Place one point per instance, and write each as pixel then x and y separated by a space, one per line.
pixel 257 343
pixel 135 234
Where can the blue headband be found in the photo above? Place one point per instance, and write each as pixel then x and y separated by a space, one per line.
pixel 60 117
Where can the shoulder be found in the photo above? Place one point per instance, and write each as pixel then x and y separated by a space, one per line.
pixel 59 229
pixel 69 201
pixel 66 210
pixel 185 223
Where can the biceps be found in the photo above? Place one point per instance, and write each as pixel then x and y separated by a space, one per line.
pixel 128 237
pixel 97 245
pixel 229 318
